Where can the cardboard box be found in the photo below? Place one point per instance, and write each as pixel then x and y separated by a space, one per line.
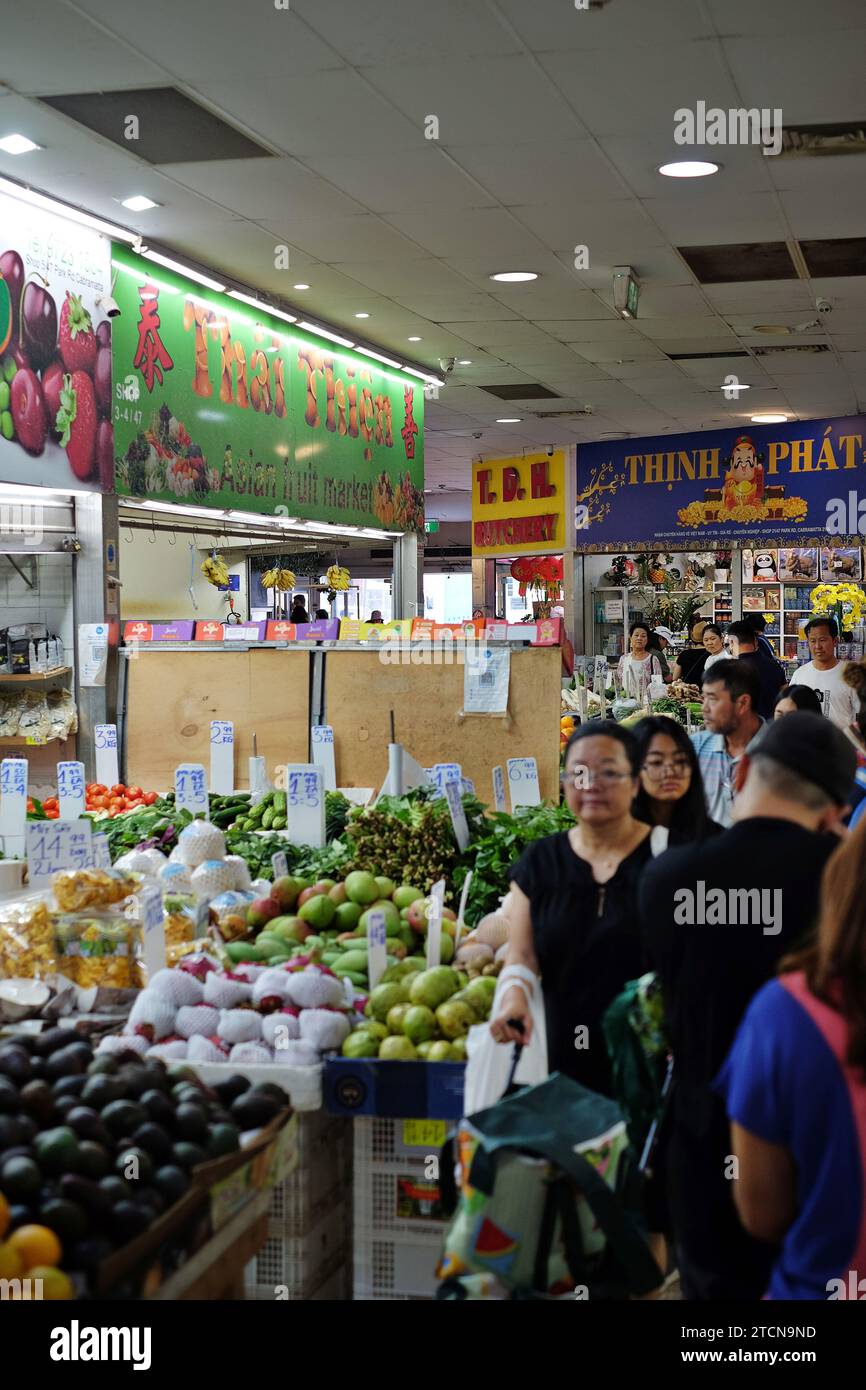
pixel 549 632
pixel 280 631
pixel 319 632
pixel 210 631
pixel 213 631
pixel 139 631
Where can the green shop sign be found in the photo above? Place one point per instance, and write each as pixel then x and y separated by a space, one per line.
pixel 221 406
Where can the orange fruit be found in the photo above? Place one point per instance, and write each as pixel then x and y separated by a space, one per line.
pixel 10 1262
pixel 55 1284
pixel 4 1216
pixel 36 1245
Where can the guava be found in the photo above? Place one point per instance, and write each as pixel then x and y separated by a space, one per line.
pixel 361 887
pixel 389 912
pixel 419 1023
pixel 361 1043
pixel 397 1049
pixel 433 987
pixel 455 1018
pixel 439 1051
pixel 384 997
pixel 318 911
pixel 385 886
pixel 347 916
pixel 479 994
pixel 395 1018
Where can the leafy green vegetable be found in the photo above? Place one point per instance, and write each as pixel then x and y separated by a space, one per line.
pixel 491 856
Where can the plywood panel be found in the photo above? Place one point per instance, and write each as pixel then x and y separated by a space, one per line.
pixel 173 696
pixel 360 691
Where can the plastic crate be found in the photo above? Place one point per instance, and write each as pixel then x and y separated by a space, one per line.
pixel 336 1289
pixel 396 1268
pixel 320 1180
pixel 368 1086
pixel 396 1178
pixel 300 1264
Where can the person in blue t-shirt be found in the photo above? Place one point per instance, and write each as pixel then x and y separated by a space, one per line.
pixel 794 1084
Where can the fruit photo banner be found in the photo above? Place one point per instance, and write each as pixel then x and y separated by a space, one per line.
pixel 55 351
pixel 756 484
pixel 231 409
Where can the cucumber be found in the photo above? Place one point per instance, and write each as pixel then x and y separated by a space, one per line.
pixel 267 818
pixel 279 823
pixel 280 803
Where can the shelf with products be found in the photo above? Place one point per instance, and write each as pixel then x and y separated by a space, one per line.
pixel 9 677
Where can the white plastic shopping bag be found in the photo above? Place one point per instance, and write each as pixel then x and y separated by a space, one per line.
pixel 489 1062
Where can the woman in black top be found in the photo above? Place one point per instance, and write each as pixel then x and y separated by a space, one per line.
pixel 573 910
pixel 671 792
pixel 690 663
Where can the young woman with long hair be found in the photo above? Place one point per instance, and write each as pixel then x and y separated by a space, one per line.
pixel 671 790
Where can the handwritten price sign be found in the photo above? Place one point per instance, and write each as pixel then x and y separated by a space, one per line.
pixel 190 789
pixel 105 742
pixel 70 790
pixel 53 846
pixel 222 756
pixel 305 804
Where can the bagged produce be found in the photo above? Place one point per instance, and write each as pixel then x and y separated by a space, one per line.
pixel 137 861
pixel 272 987
pixel 169 1051
pixel 198 842
pixel 240 872
pixel 197 1018
pixel 177 986
pixel 27 946
pixel 280 1026
pixel 239 1025
pixel 324 1029
pixel 252 1054
pixel 314 989
pixel 175 877
pixel 212 877
pixel 225 994
pixel 96 949
pixel 202 1049
pixel 152 1016
pixel 84 888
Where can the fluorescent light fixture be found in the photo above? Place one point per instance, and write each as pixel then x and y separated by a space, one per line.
pixel 262 306
pixel 514 277
pixel 86 219
pixel 20 492
pixel 413 339
pixel 380 357
pixel 300 287
pixel 772 418
pixel 688 168
pixel 464 361
pixel 18 144
pixel 325 333
pixel 186 270
pixel 425 376
pixel 139 203
pixel 362 315
pixel 144 274
pixel 735 386
pixel 509 420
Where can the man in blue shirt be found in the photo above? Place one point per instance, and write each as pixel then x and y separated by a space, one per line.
pixel 730 697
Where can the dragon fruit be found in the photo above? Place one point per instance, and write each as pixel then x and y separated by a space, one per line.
pixel 325 1029
pixel 282 1025
pixel 239 1025
pixel 200 841
pixel 202 1049
pixel 125 1043
pixel 225 993
pixel 312 989
pixel 177 987
pixel 251 1053
pixel 249 971
pixel 198 965
pixel 151 1015
pixel 170 1050
pixel 197 1018
pixel 271 990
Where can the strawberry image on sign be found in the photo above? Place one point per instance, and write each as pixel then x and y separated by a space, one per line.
pixel 77 422
pixel 76 338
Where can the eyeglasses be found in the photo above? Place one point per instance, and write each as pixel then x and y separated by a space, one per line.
pixel 582 779
pixel 656 768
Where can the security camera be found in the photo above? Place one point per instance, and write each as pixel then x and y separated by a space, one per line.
pixel 109 306
pixel 550 451
pixel 447 365
pixel 823 306
pixel 477 434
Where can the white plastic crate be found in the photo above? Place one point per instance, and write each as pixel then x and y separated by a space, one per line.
pixel 396 1268
pixel 321 1179
pixel 395 1184
pixel 300 1264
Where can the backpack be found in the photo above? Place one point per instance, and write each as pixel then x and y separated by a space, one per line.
pixel 549 1202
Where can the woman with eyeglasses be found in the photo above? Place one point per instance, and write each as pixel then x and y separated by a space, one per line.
pixel 671 793
pixel 573 920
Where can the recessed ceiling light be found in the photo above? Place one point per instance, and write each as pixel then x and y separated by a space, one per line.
pixel 139 203
pixel 413 339
pixel 770 419
pixel 514 277
pixel 688 169
pixel 300 287
pixel 17 144
pixel 464 361
pixel 735 386
pixel 362 316
pixel 509 420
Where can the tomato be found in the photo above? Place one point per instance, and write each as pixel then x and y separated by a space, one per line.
pixel 99 803
pixel 134 791
pixel 134 805
pixel 99 788
pixel 149 798
pixel 118 790
pixel 52 815
pixel 51 804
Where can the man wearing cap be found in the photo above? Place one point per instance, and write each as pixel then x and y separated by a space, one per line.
pixel 716 920
pixel 660 639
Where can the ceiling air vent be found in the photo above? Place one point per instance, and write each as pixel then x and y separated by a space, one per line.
pixel 844 138
pixel 171 128
pixel 704 356
pixel 562 414
pixel 524 391
pixel 807 348
pixel 746 260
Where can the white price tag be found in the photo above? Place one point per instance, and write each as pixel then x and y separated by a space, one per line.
pixel 222 756
pixel 305 804
pixel 434 924
pixel 523 782
pixel 468 786
pixel 441 774
pixel 55 845
pixel 190 789
pixel 105 743
pixel 13 804
pixel 377 951
pixel 499 803
pixel 280 864
pixel 464 896
pixel 101 852
pixel 70 790
pixel 458 815
pixel 323 754
pixel 152 928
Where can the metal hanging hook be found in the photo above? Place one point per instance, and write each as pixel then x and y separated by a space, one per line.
pixel 172 540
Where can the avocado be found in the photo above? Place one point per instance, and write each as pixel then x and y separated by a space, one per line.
pixel 68 1061
pixel 157 1076
pixel 68 1086
pixel 231 1088
pixel 10 1100
pixel 57 1150
pixel 158 1108
pixel 10 1132
pixel 27 1129
pixel 129 1220
pixel 88 1124
pixel 177 1072
pixel 94 1160
pixel 38 1100
pixel 15 1063
pixel 190 1122
pixel 253 1111
pixel 88 1254
pixel 63 1107
pixel 134 1164
pixel 20 1179
pixel 188 1155
pixel 105 1064
pixel 37 1068
pixel 223 1139
pixel 86 1193
pixel 121 1117
pixel 54 1039
pixel 67 1220
pixel 133 1079
pixel 269 1088
pixel 154 1140
pixel 117 1189
pixel 171 1181
pixel 189 1095
pixel 150 1197
pixel 19 1151
pixel 101 1090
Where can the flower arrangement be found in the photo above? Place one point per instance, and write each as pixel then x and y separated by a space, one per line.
pixel 844 602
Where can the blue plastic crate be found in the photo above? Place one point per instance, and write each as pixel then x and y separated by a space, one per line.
pixel 408 1090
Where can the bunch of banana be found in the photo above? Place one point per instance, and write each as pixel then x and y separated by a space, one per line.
pixel 216 571
pixel 337 577
pixel 278 579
